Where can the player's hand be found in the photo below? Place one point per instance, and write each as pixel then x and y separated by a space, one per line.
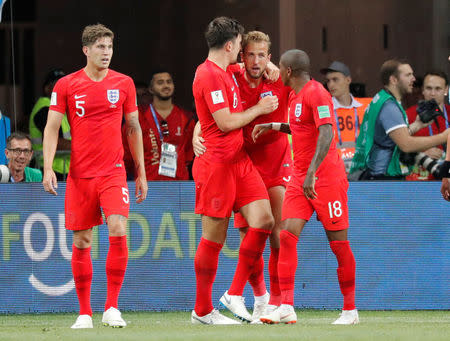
pixel 308 186
pixel 445 189
pixel 268 104
pixel 434 153
pixel 260 129
pixel 198 146
pixel 50 182
pixel 272 73
pixel 141 189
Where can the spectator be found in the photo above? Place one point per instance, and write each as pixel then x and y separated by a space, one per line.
pixel 143 96
pixel 385 130
pixel 348 110
pixel 38 120
pixel 19 153
pixel 165 126
pixel 5 131
pixel 435 86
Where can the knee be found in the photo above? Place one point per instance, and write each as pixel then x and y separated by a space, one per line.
pixel 82 240
pixel 266 222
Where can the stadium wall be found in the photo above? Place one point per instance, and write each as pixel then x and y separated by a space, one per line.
pixel 399 234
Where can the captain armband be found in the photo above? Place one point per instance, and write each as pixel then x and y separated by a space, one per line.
pixel 276 126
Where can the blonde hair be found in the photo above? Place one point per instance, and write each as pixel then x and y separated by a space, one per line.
pixel 255 37
pixel 93 32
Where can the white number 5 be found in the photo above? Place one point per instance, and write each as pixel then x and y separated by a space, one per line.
pixel 126 196
pixel 78 106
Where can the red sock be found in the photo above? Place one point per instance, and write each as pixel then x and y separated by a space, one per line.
pixel 345 271
pixel 251 249
pixel 287 265
pixel 82 275
pixel 275 294
pixel 256 278
pixel 116 265
pixel 205 264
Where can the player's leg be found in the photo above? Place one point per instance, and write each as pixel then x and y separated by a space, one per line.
pixel 332 211
pixel 114 199
pixel 82 212
pixel 214 232
pixel 259 217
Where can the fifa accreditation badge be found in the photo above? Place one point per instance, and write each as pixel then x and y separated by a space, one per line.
pixel 168 162
pixel 113 95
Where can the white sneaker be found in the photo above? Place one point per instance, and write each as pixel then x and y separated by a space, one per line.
pixel 236 304
pixel 283 314
pixel 214 317
pixel 83 321
pixel 260 306
pixel 113 318
pixel 348 317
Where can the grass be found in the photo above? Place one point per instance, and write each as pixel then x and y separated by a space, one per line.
pixel 311 325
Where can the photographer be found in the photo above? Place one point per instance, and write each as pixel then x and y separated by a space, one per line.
pixel 385 130
pixel 434 90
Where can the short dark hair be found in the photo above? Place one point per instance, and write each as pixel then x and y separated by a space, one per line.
pixel 18 135
pixel 438 73
pixel 221 30
pixel 390 68
pixel 93 32
pixel 156 70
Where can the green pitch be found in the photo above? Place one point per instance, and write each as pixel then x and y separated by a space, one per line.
pixel 311 325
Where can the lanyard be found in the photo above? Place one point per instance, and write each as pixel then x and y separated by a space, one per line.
pixel 446 121
pixel 156 122
pixel 339 130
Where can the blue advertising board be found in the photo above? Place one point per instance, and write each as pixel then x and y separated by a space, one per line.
pixel 399 233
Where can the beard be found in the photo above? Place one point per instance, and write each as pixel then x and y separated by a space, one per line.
pixel 163 98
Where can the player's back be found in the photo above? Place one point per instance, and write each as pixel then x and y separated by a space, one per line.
pixel 215 89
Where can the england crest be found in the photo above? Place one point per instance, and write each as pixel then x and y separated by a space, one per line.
pixel 298 110
pixel 113 96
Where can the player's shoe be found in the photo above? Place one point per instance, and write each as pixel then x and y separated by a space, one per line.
pixel 259 306
pixel 214 317
pixel 283 314
pixel 83 321
pixel 236 304
pixel 348 317
pixel 113 318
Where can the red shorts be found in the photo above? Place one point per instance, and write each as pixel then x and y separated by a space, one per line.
pixel 224 187
pixel 84 197
pixel 274 163
pixel 330 205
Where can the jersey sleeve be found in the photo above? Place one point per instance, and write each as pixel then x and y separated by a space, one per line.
pixel 58 99
pixel 215 93
pixel 322 107
pixel 130 104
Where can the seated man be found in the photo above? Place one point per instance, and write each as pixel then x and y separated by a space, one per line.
pixel 435 87
pixel 19 153
pixel 385 131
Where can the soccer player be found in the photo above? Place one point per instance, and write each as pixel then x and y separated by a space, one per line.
pixel 95 99
pixel 271 155
pixel 318 184
pixel 225 178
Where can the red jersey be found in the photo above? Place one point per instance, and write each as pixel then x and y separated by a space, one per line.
pixel 216 89
pixel 251 96
pixel 181 126
pixel 309 109
pixel 95 111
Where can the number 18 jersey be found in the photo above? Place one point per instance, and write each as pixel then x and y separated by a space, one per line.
pixel 95 111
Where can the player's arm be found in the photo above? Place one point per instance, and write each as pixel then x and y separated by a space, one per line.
pixel 260 129
pixel 50 142
pixel 197 140
pixel 134 137
pixel 445 172
pixel 322 147
pixel 228 122
pixel 272 72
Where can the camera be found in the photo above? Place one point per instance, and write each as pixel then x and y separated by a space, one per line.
pixel 428 110
pixel 421 159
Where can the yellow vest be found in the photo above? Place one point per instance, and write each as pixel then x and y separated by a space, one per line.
pixel 61 162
